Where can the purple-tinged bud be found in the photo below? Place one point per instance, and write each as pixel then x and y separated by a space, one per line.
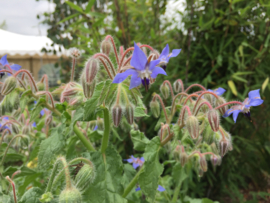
pixel 223 147
pixel 203 163
pixel 85 177
pixel 213 119
pixel 74 53
pixel 106 47
pixel 177 86
pixel 88 89
pixel 48 120
pixel 9 85
pixel 215 160
pixel 219 102
pixel 90 70
pixel 164 131
pixel 183 156
pixel 129 113
pixel 165 90
pixel 116 115
pixel 155 108
pixel 72 195
pixel 192 125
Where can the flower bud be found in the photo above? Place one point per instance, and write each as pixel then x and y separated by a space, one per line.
pixel 155 108
pixel 213 119
pixel 223 147
pixel 219 102
pixel 46 197
pixel 74 53
pixel 200 172
pixel 72 195
pixel 26 129
pixel 40 86
pixel 84 177
pixel 106 47
pixel 88 89
pixel 183 156
pixel 192 125
pixel 203 163
pixel 9 85
pixel 164 131
pixel 165 90
pixel 100 124
pixel 116 115
pixel 176 153
pixel 92 124
pixel 215 160
pixel 209 98
pixel 90 70
pixel 208 135
pixel 48 120
pixel 15 128
pixel 177 86
pixel 129 114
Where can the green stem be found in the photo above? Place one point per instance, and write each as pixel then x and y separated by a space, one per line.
pixel 176 192
pixel 67 174
pixel 83 139
pixel 132 183
pixel 105 139
pixel 54 170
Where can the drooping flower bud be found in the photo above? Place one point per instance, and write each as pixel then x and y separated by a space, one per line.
pixel 106 47
pixel 165 90
pixel 213 119
pixel 219 102
pixel 177 86
pixel 71 195
pixel 209 98
pixel 192 125
pixel 40 86
pixel 215 160
pixel 9 85
pixel 116 115
pixel 208 135
pixel 176 153
pixel 46 197
pixel 15 128
pixel 100 123
pixel 26 129
pixel 183 156
pixel 203 163
pixel 155 108
pixel 223 147
pixel 164 131
pixel 200 172
pixel 85 177
pixel 129 114
pixel 48 120
pixel 88 89
pixel 92 124
pixel 90 70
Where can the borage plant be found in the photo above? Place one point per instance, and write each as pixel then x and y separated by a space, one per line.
pixel 65 136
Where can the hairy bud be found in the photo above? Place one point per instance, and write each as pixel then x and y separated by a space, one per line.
pixel 72 195
pixel 40 86
pixel 85 177
pixel 165 90
pixel 223 147
pixel 100 123
pixel 219 102
pixel 48 120
pixel 209 98
pixel 192 125
pixel 46 197
pixel 116 115
pixel 176 152
pixel 213 119
pixel 26 129
pixel 9 85
pixel 203 163
pixel 15 128
pixel 106 47
pixel 88 89
pixel 177 86
pixel 155 108
pixel 215 160
pixel 90 70
pixel 74 53
pixel 183 156
pixel 129 114
pixel 208 135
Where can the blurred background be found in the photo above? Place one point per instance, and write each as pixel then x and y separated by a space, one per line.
pixel 225 43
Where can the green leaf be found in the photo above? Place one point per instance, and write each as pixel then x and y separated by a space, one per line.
pixel 68 18
pixel 107 185
pixel 24 98
pixel 36 110
pixel 179 174
pixel 89 5
pixel 51 147
pixel 232 87
pixel 25 171
pixel 76 117
pixel 104 92
pixel 31 196
pixel 149 178
pixel 140 112
pixel 139 140
pixel 74 6
pixel 265 83
pixel 239 78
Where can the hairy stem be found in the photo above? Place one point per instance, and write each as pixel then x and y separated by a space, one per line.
pixel 83 139
pixel 163 107
pixel 105 139
pixel 228 103
pixel 73 70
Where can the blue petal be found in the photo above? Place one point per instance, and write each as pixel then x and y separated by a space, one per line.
pixel 129 160
pixel 160 188
pixel 137 189
pixel 142 159
pixel 6 118
pixel 175 52
pixel 156 71
pixel 35 102
pixel 235 114
pixel 96 127
pixel 153 64
pixel 254 102
pixel 165 52
pixel 135 81
pixel 228 113
pixel 15 67
pixel 4 60
pixel 210 90
pixel 220 91
pixel 135 165
pixel 138 60
pixel 34 124
pixel 120 77
pixel 42 112
pixel 254 94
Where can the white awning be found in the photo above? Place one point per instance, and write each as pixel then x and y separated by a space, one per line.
pixel 12 43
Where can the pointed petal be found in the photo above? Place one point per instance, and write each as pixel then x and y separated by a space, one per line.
pixel 4 60
pixel 235 114
pixel 120 77
pixel 142 159
pixel 153 64
pixel 254 102
pixel 135 81
pixel 254 94
pixel 220 91
pixel 228 113
pixel 34 124
pixel 165 52
pixel 156 71
pixel 137 189
pixel 210 90
pixel 135 165
pixel 96 127
pixel 160 188
pixel 175 52
pixel 129 160
pixel 138 60
pixel 15 67
pixel 42 112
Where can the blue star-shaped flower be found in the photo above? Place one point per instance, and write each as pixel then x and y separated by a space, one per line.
pixel 254 99
pixel 136 162
pixel 143 70
pixel 160 188
pixel 4 61
pixel 166 55
pixel 219 91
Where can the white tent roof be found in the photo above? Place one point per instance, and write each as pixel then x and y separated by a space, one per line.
pixel 12 43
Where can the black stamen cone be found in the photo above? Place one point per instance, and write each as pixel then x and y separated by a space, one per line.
pixel 164 67
pixel 248 116
pixel 145 83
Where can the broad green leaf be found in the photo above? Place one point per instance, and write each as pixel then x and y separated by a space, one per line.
pixel 140 112
pixel 76 117
pixel 25 171
pixel 107 185
pixel 74 6
pixel 179 174
pixel 149 178
pixel 31 196
pixel 89 5
pixel 139 140
pixel 232 87
pixel 265 83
